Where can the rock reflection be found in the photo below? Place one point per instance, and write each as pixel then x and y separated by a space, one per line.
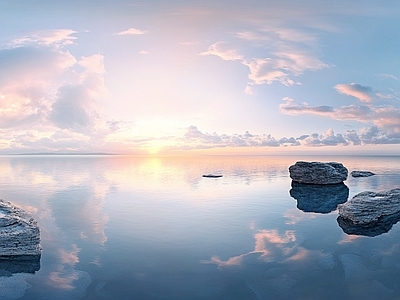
pixel 319 198
pixel 383 225
pixel 27 264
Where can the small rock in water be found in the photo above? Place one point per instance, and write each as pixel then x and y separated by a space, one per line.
pixel 19 233
pixel 318 172
pixel 212 175
pixel 368 207
pixel 361 174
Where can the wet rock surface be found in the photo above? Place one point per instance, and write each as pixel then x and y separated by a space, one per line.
pixel 318 172
pixel 19 234
pixel 368 207
pixel 361 174
pixel 319 198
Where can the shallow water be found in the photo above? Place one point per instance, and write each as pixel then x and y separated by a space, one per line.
pixel 119 227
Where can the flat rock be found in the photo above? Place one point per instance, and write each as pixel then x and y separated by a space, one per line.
pixel 368 208
pixel 361 174
pixel 19 233
pixel 319 198
pixel 318 172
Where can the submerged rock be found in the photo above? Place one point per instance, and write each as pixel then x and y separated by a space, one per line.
pixel 368 208
pixel 19 233
pixel 318 172
pixel 361 174
pixel 319 198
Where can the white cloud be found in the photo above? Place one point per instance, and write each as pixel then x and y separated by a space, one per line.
pixel 389 76
pixel 224 51
pixel 195 139
pixel 93 63
pixel 73 108
pixel 282 66
pixel 28 79
pixel 352 137
pixel 289 53
pixel 190 43
pixel 328 138
pixel 249 89
pixel 266 71
pixel 59 37
pixel 375 136
pixel 44 88
pixel 132 31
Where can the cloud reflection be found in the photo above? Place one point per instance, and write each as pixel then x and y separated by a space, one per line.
pixel 281 266
pixel 295 216
pixel 71 258
pixel 269 244
pixel 63 279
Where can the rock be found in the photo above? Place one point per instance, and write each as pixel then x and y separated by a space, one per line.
pixel 23 264
pixel 19 233
pixel 361 174
pixel 383 225
pixel 212 176
pixel 367 208
pixel 319 198
pixel 318 172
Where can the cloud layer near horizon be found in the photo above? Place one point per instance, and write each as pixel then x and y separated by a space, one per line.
pixel 52 100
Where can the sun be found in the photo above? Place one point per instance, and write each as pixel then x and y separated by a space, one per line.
pixel 154 150
pixel 155 147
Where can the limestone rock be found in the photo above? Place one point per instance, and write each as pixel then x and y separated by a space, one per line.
pixel 367 208
pixel 19 233
pixel 361 174
pixel 319 198
pixel 318 172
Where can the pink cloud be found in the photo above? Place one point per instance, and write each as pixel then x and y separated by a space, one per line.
pixel 363 93
pixel 387 117
pixel 132 31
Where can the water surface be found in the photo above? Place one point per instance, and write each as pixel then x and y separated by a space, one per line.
pixel 120 227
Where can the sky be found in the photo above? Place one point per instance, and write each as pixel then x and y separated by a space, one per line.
pixel 225 77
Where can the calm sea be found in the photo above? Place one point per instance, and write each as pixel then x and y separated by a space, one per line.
pixel 120 227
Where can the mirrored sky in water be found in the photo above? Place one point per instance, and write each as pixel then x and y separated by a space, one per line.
pixel 117 227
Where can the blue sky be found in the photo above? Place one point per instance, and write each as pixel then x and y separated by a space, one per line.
pixel 254 77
